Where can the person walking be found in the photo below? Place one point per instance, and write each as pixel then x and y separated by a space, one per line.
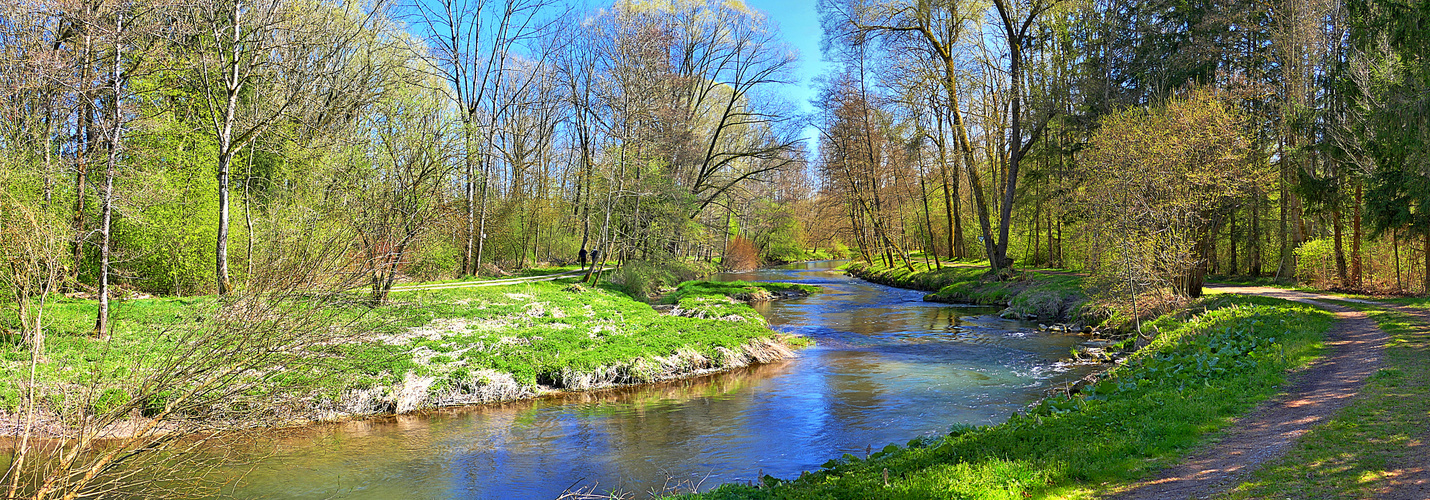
pixel 581 257
pixel 595 258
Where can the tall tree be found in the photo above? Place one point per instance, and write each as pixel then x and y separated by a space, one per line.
pixel 265 61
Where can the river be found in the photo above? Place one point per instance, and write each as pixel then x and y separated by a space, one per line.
pixel 888 367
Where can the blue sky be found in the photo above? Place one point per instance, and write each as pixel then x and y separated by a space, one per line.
pixel 799 25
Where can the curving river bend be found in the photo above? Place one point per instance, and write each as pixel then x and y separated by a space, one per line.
pixel 888 367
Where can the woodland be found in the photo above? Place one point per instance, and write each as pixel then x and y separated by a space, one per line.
pixel 247 150
pixel 171 147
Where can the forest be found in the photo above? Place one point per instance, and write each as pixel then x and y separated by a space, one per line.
pixel 168 147
pixel 195 148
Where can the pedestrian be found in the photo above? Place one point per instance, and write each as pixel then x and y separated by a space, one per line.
pixel 595 258
pixel 581 257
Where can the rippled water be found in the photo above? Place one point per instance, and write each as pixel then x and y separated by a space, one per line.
pixel 888 367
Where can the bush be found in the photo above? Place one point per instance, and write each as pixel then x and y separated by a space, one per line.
pixel 1315 261
pixel 741 255
pixel 644 279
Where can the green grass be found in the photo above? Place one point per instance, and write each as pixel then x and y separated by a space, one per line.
pixel 1046 296
pixel 538 333
pixel 1355 454
pixel 535 271
pixel 1164 401
pixel 720 299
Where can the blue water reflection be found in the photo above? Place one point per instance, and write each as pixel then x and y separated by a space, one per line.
pixel 888 367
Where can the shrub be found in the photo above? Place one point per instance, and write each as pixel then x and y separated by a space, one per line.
pixel 741 255
pixel 1315 261
pixel 644 279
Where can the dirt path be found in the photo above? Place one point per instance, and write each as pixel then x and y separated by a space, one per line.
pixel 1312 396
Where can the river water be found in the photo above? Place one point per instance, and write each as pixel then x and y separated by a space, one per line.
pixel 888 367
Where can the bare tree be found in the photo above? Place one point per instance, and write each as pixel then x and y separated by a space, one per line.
pixel 471 43
pixel 395 183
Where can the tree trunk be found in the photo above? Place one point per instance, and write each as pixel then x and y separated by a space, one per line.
pixel 1196 276
pixel 470 194
pixel 1283 267
pixel 1232 266
pixel 999 259
pixel 101 322
pixel 225 159
pixel 1253 246
pixel 1356 280
pixel 248 214
pixel 928 219
pixel 482 219
pixel 1340 251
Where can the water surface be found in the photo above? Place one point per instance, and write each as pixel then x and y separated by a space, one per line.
pixel 888 367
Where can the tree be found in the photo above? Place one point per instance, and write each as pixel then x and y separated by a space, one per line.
pixel 395 182
pixel 1158 180
pixel 472 42
pixel 938 28
pixel 266 61
pixel 1394 92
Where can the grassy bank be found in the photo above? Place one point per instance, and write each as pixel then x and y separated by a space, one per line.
pixel 426 348
pixel 1370 443
pixel 1027 294
pixel 727 299
pixel 1141 416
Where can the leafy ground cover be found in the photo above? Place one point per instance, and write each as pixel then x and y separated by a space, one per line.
pixel 1363 450
pixel 1143 415
pixel 725 299
pixel 425 348
pixel 1050 296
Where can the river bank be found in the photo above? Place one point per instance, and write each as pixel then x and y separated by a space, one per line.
pixel 887 366
pixel 1190 382
pixel 1048 297
pixel 426 349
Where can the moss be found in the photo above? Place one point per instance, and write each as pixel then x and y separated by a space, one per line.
pixel 1047 296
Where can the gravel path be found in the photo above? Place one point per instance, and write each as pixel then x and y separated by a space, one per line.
pixel 1311 397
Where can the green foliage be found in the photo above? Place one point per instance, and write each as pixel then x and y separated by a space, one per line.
pixel 646 279
pixel 1315 261
pixel 1145 414
pixel 434 257
pixel 550 333
pixel 1027 293
pixel 721 299
pixel 785 243
pixel 1154 178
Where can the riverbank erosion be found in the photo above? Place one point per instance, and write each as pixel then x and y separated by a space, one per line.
pixel 296 362
pixel 1025 295
pixel 1211 364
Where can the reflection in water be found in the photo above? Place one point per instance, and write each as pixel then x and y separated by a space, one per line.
pixel 888 367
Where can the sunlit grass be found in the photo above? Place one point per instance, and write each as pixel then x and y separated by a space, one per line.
pixel 537 333
pixel 1165 401
pixel 1049 297
pixel 1357 453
